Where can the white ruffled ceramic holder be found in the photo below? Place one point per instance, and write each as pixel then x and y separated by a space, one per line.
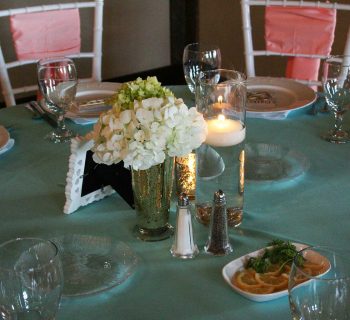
pixel 75 175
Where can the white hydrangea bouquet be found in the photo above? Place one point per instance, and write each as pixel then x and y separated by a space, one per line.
pixel 145 125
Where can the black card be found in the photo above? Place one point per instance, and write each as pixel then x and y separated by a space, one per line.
pixel 97 176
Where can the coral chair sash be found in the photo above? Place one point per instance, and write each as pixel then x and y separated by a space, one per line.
pixel 43 34
pixel 301 31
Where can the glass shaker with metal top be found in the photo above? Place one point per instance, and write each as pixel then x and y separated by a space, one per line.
pixel 218 242
pixel 184 246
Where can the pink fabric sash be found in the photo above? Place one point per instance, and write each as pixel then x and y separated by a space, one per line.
pixel 301 31
pixel 43 34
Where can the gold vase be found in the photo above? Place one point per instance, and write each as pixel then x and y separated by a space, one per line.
pixel 152 190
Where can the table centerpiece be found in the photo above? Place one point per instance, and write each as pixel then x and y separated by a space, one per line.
pixel 146 128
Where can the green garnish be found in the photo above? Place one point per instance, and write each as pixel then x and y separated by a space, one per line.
pixel 280 253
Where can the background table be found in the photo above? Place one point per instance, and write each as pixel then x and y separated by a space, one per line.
pixel 313 209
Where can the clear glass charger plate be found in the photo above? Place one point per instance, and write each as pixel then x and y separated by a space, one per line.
pixel 92 264
pixel 270 163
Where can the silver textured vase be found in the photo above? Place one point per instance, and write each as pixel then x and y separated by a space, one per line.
pixel 152 190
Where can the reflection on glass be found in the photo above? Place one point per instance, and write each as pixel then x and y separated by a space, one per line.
pixel 57 78
pixel 336 86
pixel 199 57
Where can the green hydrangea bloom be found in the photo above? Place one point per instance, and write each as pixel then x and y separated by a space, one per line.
pixel 138 89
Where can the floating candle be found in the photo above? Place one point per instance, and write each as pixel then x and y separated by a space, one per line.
pixel 221 105
pixel 224 132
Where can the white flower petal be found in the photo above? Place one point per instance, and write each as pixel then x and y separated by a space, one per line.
pixel 143 132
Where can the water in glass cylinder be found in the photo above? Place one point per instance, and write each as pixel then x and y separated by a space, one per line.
pixel 220 165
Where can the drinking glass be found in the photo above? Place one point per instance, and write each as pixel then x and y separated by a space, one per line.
pixel 319 284
pixel 31 279
pixel 199 57
pixel 57 79
pixel 336 86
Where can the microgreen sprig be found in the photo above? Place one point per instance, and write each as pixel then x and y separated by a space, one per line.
pixel 280 253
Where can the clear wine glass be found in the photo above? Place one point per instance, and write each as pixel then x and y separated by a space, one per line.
pixel 319 284
pixel 31 279
pixel 336 86
pixel 57 79
pixel 199 57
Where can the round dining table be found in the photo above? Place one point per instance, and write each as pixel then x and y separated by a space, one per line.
pixel 312 208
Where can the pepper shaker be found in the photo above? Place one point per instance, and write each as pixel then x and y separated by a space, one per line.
pixel 218 242
pixel 184 246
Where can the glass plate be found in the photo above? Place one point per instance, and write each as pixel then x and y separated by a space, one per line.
pixel 273 163
pixel 92 264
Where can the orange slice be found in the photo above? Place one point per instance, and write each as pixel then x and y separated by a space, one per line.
pixel 245 280
pixel 285 275
pixel 260 290
pixel 273 269
pixel 276 269
pixel 286 269
pixel 300 277
pixel 316 268
pixel 276 282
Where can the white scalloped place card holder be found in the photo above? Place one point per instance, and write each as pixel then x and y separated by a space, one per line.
pixel 75 177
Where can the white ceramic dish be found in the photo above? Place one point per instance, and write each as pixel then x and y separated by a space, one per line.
pixel 232 267
pixel 96 90
pixel 91 91
pixel 4 137
pixel 277 95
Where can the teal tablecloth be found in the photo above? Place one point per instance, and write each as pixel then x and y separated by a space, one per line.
pixel 314 209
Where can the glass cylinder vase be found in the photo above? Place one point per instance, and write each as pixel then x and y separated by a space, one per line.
pixel 221 98
pixel 152 190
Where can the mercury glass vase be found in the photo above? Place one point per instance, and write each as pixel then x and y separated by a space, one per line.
pixel 152 190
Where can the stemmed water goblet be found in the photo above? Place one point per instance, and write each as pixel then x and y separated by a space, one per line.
pixel 57 78
pixel 199 57
pixel 336 86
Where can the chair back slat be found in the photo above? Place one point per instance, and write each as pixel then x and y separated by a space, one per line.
pixel 250 53
pixel 95 54
pixel 97 45
pixel 43 8
pixel 300 3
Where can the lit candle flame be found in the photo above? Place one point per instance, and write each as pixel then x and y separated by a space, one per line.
pixel 221 117
pixel 220 99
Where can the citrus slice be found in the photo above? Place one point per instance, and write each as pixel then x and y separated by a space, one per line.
pixel 286 269
pixel 273 269
pixel 285 275
pixel 316 268
pixel 245 280
pixel 302 277
pixel 276 282
pixel 260 290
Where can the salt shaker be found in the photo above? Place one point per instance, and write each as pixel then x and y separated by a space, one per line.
pixel 184 246
pixel 218 242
